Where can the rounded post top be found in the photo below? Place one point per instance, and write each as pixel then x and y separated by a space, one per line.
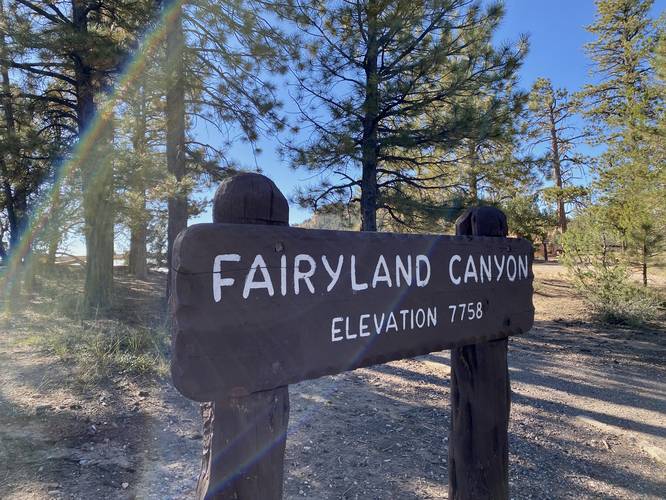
pixel 250 198
pixel 482 221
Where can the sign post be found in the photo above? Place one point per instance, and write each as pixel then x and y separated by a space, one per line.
pixel 258 305
pixel 480 397
pixel 245 437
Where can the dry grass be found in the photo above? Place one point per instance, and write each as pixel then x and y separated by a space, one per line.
pixel 130 337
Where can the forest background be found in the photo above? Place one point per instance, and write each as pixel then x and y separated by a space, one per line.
pixel 119 118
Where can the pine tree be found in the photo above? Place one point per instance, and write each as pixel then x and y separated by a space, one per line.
pixel 550 125
pixel 385 82
pixel 528 219
pixel 216 74
pixel 488 165
pixel 484 168
pixel 78 48
pixel 175 123
pixel 15 192
pixel 625 106
pixel 28 140
pixel 142 163
pixel 622 50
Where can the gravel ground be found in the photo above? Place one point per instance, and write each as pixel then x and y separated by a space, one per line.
pixel 588 420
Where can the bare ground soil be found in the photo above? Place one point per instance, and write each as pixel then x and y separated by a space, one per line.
pixel 588 420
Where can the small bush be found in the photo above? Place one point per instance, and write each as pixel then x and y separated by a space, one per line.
pixel 614 298
pixel 594 258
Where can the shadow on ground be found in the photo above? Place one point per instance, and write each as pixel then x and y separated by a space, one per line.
pixel 382 432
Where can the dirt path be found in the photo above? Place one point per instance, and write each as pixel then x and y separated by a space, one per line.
pixel 588 420
pixel 59 440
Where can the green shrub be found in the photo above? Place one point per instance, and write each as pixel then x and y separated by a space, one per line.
pixel 614 298
pixel 593 255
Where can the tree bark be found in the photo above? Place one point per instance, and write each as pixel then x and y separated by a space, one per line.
pixel 97 174
pixel 369 144
pixel 175 124
pixel 98 214
pixel 54 231
pixel 54 242
pixel 138 256
pixel 9 203
pixel 472 175
pixel 557 172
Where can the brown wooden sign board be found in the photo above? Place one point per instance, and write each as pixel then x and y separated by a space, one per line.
pixel 258 307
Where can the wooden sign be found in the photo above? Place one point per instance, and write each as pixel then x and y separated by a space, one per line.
pixel 258 307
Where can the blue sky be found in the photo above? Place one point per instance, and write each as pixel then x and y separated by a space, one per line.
pixel 556 30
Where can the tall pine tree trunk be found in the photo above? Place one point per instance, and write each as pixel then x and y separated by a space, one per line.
pixel 557 173
pixel 473 179
pixel 138 257
pixel 175 111
pixel 54 232
pixel 97 173
pixel 369 145
pixel 98 222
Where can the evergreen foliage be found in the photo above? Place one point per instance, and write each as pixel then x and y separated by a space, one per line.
pixel 406 114
pixel 593 254
pixel 550 125
pixel 626 107
pixel 387 89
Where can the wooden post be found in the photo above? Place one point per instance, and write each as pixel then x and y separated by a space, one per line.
pixel 245 437
pixel 480 397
